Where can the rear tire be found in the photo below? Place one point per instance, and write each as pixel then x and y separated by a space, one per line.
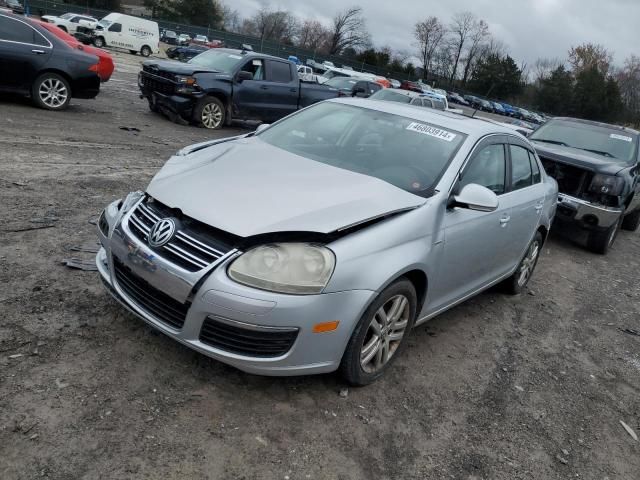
pixel 51 92
pixel 631 221
pixel 145 51
pixel 516 283
pixel 601 242
pixel 381 334
pixel 209 113
pixel 99 42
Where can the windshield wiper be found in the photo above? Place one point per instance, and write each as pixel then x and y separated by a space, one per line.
pixel 599 152
pixel 555 142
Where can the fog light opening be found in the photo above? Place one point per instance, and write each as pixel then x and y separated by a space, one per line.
pixel 590 220
pixel 325 326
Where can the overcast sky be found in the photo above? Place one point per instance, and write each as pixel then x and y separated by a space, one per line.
pixel 530 28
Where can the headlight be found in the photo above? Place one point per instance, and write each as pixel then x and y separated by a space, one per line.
pixel 186 84
pixel 606 185
pixel 130 201
pixel 297 268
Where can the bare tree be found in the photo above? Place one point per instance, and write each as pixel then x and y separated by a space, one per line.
pixel 477 36
pixel 230 19
pixel 274 25
pixel 542 68
pixel 312 35
pixel 349 30
pixel 461 27
pixel 628 78
pixel 590 55
pixel 428 34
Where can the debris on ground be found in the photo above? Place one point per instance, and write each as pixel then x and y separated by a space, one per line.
pixel 344 392
pixel 562 460
pixel 630 331
pixel 134 130
pixel 629 430
pixel 87 247
pixel 29 228
pixel 80 264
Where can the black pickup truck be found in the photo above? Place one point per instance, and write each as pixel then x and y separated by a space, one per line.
pixel 597 169
pixel 223 84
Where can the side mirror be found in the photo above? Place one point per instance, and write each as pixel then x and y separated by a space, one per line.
pixel 262 126
pixel 475 197
pixel 244 75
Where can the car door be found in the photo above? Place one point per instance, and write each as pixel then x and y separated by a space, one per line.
pixel 525 197
pixel 475 242
pixel 23 53
pixel 282 91
pixel 250 96
pixel 113 35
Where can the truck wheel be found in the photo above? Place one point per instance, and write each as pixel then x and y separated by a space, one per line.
pixel 145 51
pixel 209 113
pixel 51 92
pixel 601 242
pixel 380 335
pixel 515 284
pixel 98 42
pixel 631 221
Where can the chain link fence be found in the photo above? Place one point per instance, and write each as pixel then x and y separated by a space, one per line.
pixel 231 40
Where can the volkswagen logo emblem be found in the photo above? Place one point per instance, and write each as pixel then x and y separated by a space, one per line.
pixel 161 232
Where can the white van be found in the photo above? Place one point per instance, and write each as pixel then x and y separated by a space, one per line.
pixel 130 33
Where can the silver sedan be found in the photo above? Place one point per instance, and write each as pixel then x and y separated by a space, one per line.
pixel 319 242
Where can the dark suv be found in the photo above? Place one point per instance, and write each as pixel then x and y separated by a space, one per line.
pixel 596 167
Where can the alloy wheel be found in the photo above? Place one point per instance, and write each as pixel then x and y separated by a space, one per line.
pixel 384 333
pixel 528 263
pixel 53 93
pixel 211 115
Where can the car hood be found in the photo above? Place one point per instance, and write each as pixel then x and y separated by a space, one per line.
pixel 578 158
pixel 248 187
pixel 180 68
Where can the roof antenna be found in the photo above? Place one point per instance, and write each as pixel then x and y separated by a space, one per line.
pixel 486 95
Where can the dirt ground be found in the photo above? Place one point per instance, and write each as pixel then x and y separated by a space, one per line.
pixel 527 387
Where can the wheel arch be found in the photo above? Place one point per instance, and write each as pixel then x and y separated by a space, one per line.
pixel 544 231
pixel 57 72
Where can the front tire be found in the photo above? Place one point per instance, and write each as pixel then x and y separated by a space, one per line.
pixel 99 42
pixel 517 282
pixel 631 221
pixel 380 336
pixel 601 242
pixel 51 92
pixel 145 51
pixel 209 113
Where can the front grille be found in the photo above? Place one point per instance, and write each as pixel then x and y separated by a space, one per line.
pixel 194 246
pixel 152 82
pixel 246 341
pixel 571 180
pixel 156 303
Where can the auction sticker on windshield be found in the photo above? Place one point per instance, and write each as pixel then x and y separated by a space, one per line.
pixel 431 131
pixel 621 137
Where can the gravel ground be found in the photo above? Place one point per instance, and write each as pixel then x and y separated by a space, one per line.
pixel 527 387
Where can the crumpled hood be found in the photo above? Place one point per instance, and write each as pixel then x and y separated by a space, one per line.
pixel 578 158
pixel 180 68
pixel 248 187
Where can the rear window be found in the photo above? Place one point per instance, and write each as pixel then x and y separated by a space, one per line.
pixel 391 96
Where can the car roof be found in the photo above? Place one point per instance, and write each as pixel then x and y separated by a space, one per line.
pixel 249 53
pixel 473 127
pixel 598 124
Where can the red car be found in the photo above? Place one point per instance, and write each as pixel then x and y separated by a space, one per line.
pixel 105 62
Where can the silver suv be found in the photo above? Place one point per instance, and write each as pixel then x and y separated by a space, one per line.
pixel 318 242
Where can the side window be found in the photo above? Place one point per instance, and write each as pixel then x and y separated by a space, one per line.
pixel 75 20
pixel 439 104
pixel 363 86
pixel 520 168
pixel 487 168
pixel 256 68
pixel 280 72
pixel 15 31
pixel 427 102
pixel 116 27
pixel 374 87
pixel 416 101
pixel 537 177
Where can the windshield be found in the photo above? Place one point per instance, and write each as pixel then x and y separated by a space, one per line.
pixel 67 16
pixel 341 82
pixel 390 95
pixel 405 152
pixel 217 60
pixel 333 73
pixel 105 23
pixel 612 142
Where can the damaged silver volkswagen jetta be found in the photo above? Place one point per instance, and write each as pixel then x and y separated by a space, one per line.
pixel 318 242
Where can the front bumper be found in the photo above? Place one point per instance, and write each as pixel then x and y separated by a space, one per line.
pixel 215 295
pixel 585 214
pixel 178 104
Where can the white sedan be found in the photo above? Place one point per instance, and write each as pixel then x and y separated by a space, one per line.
pixel 69 22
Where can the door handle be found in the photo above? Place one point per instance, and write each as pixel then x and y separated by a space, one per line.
pixel 293 90
pixel 504 220
pixel 38 52
pixel 539 206
pixel 264 87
